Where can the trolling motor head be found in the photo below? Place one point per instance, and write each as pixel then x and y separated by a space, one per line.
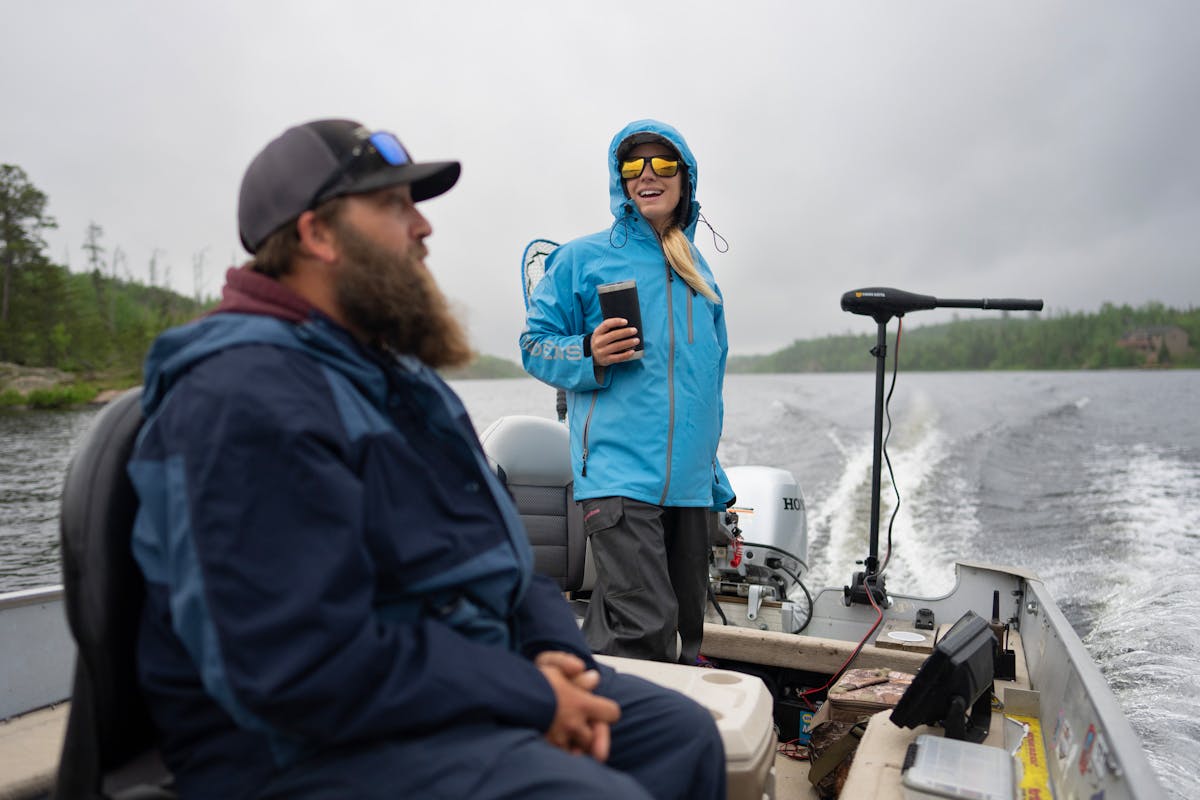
pixel 881 304
pixel 877 300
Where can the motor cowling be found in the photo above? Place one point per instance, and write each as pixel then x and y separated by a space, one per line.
pixel 762 552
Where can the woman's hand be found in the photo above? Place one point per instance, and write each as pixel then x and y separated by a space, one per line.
pixel 613 341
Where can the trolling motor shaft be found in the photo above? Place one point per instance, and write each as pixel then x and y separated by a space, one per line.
pixel 881 304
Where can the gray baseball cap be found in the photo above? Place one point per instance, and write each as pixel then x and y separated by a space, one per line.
pixel 317 161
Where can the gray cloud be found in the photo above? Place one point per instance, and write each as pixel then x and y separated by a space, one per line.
pixel 961 150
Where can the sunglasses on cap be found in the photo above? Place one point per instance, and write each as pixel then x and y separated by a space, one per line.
pixel 382 143
pixel 663 167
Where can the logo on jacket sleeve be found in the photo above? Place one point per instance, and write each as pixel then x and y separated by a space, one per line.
pixel 552 352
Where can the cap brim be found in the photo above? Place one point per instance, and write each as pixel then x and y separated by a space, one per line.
pixel 427 180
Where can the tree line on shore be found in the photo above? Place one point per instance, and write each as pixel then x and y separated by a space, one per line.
pixel 1113 337
pixel 100 323
pixel 97 324
pixel 92 323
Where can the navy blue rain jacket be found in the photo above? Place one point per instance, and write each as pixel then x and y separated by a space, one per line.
pixel 328 558
pixel 645 429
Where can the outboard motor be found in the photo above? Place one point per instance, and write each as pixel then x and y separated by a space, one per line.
pixel 763 553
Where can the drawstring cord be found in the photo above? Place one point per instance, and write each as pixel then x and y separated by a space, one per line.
pixel 716 236
pixel 624 223
pixel 720 243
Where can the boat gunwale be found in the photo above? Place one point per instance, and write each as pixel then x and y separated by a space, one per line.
pixel 38 595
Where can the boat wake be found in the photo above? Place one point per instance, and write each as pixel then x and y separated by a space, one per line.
pixel 1143 634
pixel 838 521
pixel 920 563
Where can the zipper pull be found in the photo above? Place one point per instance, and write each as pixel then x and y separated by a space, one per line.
pixel 583 467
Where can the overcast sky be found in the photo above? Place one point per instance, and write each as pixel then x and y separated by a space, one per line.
pixel 959 149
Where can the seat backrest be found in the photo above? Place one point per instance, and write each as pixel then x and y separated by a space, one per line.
pixel 110 741
pixel 532 456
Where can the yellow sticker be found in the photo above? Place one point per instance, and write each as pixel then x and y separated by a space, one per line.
pixel 1035 779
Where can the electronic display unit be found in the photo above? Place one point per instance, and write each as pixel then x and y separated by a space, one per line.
pixel 953 688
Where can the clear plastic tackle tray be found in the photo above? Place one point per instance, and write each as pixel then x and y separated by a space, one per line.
pixel 939 768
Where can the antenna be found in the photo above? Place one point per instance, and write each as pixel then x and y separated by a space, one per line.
pixel 881 304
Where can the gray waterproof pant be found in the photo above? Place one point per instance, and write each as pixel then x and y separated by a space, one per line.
pixel 651 578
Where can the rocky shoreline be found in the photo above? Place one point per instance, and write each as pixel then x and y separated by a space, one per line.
pixel 23 380
pixel 26 379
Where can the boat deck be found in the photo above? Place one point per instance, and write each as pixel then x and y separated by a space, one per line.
pixel 791 779
pixel 29 749
pixel 30 746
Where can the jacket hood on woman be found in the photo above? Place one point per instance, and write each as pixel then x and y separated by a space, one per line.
pixel 620 203
pixel 646 429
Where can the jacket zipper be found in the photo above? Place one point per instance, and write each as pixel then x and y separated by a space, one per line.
pixel 691 334
pixel 587 424
pixel 670 383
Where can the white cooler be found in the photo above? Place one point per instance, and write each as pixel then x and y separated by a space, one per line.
pixel 742 708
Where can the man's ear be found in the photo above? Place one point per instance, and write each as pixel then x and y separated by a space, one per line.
pixel 317 238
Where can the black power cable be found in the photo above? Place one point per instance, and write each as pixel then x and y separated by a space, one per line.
pixel 887 408
pixel 792 575
pixel 712 596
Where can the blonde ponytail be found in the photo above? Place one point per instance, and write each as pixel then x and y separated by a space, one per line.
pixel 678 251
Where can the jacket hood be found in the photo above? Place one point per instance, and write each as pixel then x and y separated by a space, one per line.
pixel 254 309
pixel 622 207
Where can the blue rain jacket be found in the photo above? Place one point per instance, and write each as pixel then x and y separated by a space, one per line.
pixel 646 429
pixel 328 557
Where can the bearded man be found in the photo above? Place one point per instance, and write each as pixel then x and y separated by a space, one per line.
pixel 340 599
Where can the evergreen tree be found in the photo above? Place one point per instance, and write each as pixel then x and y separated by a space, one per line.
pixel 22 219
pixel 93 248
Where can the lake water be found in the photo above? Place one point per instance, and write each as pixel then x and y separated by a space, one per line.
pixel 1090 479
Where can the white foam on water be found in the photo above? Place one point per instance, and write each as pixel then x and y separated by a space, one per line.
pixel 1145 506
pixel 836 529
pixel 935 534
pixel 1144 636
pixel 920 564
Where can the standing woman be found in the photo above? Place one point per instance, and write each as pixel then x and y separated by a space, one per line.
pixel 644 423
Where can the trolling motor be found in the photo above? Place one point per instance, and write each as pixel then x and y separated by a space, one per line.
pixel 882 304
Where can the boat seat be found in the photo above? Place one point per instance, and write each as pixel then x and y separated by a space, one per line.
pixel 532 456
pixel 109 747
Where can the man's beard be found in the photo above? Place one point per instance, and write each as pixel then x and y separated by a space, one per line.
pixel 394 300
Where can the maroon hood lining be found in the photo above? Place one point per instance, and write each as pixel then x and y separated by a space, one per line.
pixel 250 292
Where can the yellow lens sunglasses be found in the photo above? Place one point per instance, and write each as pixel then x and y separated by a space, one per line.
pixel 663 167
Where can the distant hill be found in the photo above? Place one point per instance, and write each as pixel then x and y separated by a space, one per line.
pixel 485 366
pixel 1114 337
